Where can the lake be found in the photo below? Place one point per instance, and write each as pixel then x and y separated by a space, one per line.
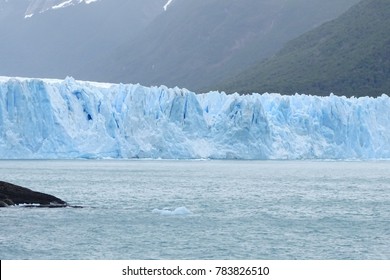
pixel 162 209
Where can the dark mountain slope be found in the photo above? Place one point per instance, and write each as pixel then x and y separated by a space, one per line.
pixel 197 43
pixel 347 56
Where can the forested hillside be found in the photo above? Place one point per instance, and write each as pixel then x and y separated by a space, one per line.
pixel 347 56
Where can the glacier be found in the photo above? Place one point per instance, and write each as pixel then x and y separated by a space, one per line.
pixel 68 119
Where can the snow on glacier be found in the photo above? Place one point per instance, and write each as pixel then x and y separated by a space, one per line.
pixel 73 119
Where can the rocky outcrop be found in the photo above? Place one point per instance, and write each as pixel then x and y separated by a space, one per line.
pixel 11 194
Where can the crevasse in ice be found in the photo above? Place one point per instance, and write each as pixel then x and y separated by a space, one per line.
pixel 74 119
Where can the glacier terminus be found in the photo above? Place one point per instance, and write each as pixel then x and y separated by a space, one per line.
pixel 63 119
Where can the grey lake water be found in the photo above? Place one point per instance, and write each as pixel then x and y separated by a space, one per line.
pixel 145 209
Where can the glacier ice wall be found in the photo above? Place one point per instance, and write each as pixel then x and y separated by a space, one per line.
pixel 73 119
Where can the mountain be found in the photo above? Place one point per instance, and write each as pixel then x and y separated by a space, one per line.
pixel 41 6
pixel 45 40
pixel 196 43
pixel 73 119
pixel 189 43
pixel 35 7
pixel 347 56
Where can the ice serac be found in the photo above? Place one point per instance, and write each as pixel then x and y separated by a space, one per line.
pixel 74 119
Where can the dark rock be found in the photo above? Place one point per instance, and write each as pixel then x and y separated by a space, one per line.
pixel 11 194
